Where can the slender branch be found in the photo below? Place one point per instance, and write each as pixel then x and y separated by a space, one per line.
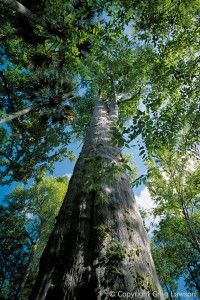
pixel 11 165
pixel 5 155
pixel 197 285
pixel 191 229
pixel 132 97
pixel 30 238
pixel 5 172
pixel 6 87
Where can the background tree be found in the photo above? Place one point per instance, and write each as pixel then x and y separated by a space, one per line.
pixel 27 219
pixel 177 235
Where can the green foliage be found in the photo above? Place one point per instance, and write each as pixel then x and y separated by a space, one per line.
pixel 27 219
pixel 34 138
pixel 157 68
pixel 167 65
pixel 104 232
pixel 41 67
pixel 100 171
pixel 128 164
pixel 114 256
pixel 161 72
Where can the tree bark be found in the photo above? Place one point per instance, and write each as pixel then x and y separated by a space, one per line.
pixel 19 113
pixel 20 8
pixel 26 110
pixel 99 248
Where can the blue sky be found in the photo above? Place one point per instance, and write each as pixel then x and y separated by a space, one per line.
pixel 66 168
pixel 142 195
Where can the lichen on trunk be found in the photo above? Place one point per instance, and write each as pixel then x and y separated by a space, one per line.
pixel 99 248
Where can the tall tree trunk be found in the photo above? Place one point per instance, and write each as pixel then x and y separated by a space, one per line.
pixel 99 248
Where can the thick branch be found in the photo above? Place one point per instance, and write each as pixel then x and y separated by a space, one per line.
pixel 25 111
pixel 113 88
pixel 25 12
pixel 20 8
pixel 19 113
pixel 113 104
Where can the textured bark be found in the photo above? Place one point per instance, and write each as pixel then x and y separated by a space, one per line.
pixel 98 249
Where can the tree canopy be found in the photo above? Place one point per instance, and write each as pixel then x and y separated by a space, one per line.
pixel 80 47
